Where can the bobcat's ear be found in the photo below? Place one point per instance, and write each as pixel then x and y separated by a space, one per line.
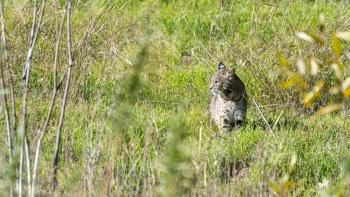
pixel 221 66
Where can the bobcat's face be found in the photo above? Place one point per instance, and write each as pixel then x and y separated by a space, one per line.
pixel 226 83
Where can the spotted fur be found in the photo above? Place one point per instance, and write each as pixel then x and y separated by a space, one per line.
pixel 228 106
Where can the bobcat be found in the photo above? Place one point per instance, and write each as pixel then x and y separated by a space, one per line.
pixel 228 105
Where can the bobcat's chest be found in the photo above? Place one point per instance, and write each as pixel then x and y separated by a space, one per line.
pixel 222 109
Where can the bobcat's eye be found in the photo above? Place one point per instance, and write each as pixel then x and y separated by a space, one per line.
pixel 227 92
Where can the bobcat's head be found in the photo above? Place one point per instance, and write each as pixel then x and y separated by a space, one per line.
pixel 226 83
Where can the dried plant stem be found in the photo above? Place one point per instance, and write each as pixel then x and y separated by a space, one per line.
pixel 7 116
pixel 7 113
pixel 65 96
pixel 20 183
pixel 52 103
pixel 263 117
pixel 277 120
pixel 26 148
pixel 4 87
pixel 10 82
pixel 26 75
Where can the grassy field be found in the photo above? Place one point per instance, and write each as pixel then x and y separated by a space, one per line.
pixel 137 121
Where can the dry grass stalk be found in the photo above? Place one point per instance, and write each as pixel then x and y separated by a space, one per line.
pixel 4 87
pixel 65 96
pixel 26 75
pixel 52 103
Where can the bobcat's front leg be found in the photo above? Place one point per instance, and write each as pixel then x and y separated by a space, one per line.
pixel 225 125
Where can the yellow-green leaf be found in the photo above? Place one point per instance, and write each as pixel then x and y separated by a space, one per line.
pixel 310 97
pixel 283 61
pixel 289 83
pixel 345 86
pixel 289 185
pixel 346 92
pixel 305 36
pixel 337 48
pixel 319 86
pixel 310 37
pixel 329 109
pixel 317 38
pixel 294 80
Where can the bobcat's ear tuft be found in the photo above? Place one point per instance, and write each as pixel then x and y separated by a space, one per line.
pixel 221 66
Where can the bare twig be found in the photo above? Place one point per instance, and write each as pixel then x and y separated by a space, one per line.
pixel 33 36
pixel 103 11
pixel 52 103
pixel 31 41
pixel 29 180
pixel 277 120
pixel 20 183
pixel 26 75
pixel 3 85
pixel 11 84
pixel 263 117
pixel 7 112
pixel 65 96
pixel 7 117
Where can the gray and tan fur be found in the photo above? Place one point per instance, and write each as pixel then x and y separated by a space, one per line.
pixel 228 105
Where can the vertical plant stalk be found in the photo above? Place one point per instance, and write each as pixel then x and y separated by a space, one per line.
pixel 263 117
pixel 7 116
pixel 7 111
pixel 26 75
pixel 52 103
pixel 11 83
pixel 20 183
pixel 65 96
pixel 26 148
pixel 3 84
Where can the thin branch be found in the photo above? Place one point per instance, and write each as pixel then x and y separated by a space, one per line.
pixel 29 55
pixel 33 37
pixel 20 183
pixel 66 92
pixel 29 180
pixel 7 112
pixel 278 119
pixel 263 117
pixel 3 85
pixel 52 103
pixel 7 117
pixel 103 11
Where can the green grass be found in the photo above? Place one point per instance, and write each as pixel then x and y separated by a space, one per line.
pixel 148 132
